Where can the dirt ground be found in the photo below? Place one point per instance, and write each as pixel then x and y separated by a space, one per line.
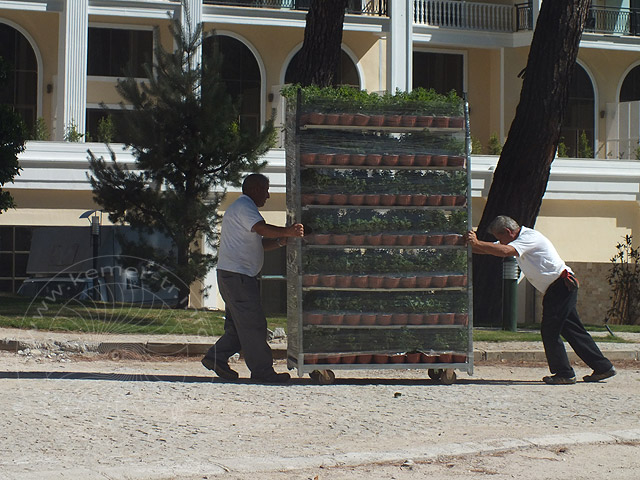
pixel 84 417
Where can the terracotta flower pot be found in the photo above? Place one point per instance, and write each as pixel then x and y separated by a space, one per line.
pixel 397 358
pixel 392 120
pixel 400 319
pixel 323 159
pixel 360 281
pixel 433 200
pixel 334 318
pixel 438 122
pixel 423 281
pixel 461 319
pixel 391 282
pixel 304 119
pixel 435 239
pixel 310 358
pixel 427 358
pixel 438 281
pixel 312 318
pixel 307 158
pixel 383 319
pixel 307 198
pixel 360 119
pixel 368 319
pixel 390 160
pixel 439 160
pixel 341 159
pixel 430 319
pixel 450 239
pixel 408 282
pixel 374 239
pixel 389 239
pixel 357 159
pixel 339 238
pixel 456 122
pixel 422 160
pixel 327 280
pixel 356 199
pixel 373 159
pixel 446 318
pixel 419 199
pixel 333 359
pixel 406 160
pixel 364 358
pixel 413 357
pixel 348 359
pixel 352 319
pixel 376 120
pixel 310 280
pixel 455 280
pixel 424 121
pixel 322 198
pixel 404 240
pixel 322 238
pixel 333 118
pixel 339 199
pixel 316 118
pixel 419 239
pixel 416 319
pixel 372 199
pixel 356 239
pixel 345 119
pixel 408 120
pixel 461 200
pixel 448 200
pixel 459 358
pixel 343 281
pixel 445 358
pixel 380 358
pixel 387 199
pixel 375 281
pixel 403 200
pixel 455 161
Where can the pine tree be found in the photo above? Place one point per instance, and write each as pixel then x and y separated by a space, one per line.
pixel 184 132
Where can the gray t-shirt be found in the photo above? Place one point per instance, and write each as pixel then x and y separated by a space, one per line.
pixel 241 249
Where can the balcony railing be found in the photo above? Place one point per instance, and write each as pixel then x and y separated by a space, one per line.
pixel 356 7
pixel 465 15
pixel 613 21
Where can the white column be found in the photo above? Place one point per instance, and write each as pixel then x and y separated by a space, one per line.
pixel 400 45
pixel 72 67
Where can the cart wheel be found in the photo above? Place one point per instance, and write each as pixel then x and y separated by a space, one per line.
pixel 448 376
pixel 323 377
pixel 434 374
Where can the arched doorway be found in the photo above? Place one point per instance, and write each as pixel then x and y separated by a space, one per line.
pixel 241 73
pixel 21 90
pixel 347 71
pixel 578 127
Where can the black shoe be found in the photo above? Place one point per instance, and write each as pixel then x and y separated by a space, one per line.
pixel 596 377
pixel 558 380
pixel 273 378
pixel 222 369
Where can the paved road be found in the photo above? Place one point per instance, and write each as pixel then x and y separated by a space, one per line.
pixel 85 417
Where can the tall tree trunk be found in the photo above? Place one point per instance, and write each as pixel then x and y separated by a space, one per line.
pixel 322 47
pixel 521 176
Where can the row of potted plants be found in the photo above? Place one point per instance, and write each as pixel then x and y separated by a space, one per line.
pixel 383 199
pixel 385 239
pixel 379 120
pixel 383 281
pixel 382 358
pixel 384 319
pixel 378 159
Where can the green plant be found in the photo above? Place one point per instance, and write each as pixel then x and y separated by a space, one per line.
pixel 637 152
pixel 476 145
pixel 40 130
pixel 106 129
pixel 624 280
pixel 562 151
pixel 494 147
pixel 72 134
pixel 584 146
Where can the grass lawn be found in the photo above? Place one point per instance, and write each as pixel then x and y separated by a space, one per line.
pixel 95 317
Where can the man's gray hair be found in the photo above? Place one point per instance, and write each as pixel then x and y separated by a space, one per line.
pixel 500 223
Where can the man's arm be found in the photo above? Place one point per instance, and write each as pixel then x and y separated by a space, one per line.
pixel 273 236
pixel 489 248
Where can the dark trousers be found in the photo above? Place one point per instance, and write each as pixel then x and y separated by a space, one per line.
pixel 560 318
pixel 245 325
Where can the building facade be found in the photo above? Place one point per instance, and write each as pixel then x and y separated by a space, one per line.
pixel 68 55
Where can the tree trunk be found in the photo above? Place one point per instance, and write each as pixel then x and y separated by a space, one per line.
pixel 322 47
pixel 521 176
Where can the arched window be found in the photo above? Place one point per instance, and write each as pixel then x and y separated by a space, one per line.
pixel 21 90
pixel 577 132
pixel 630 90
pixel 241 73
pixel 347 71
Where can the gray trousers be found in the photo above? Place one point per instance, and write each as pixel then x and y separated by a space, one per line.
pixel 245 325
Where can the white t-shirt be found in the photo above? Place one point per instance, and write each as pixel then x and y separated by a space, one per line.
pixel 538 258
pixel 241 249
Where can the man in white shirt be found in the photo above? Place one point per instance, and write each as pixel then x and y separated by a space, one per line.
pixel 244 237
pixel 547 272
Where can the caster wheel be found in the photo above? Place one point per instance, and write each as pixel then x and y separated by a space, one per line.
pixel 323 377
pixel 448 376
pixel 434 374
